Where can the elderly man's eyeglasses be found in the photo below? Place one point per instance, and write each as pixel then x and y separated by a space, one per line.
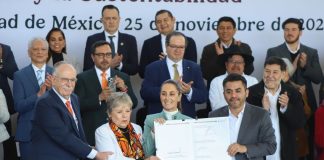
pixel 176 47
pixel 67 80
pixel 102 55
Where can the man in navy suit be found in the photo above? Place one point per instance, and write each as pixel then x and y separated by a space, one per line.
pixel 30 83
pixel 154 48
pixel 8 67
pixel 124 46
pixel 187 73
pixel 57 130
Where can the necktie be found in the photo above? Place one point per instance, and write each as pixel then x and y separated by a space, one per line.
pixel 112 45
pixel 39 77
pixel 69 107
pixel 104 81
pixel 176 72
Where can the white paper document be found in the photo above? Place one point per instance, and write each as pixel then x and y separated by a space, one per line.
pixel 202 139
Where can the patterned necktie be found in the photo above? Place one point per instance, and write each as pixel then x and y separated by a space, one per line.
pixel 104 81
pixel 69 107
pixel 176 75
pixel 113 52
pixel 39 77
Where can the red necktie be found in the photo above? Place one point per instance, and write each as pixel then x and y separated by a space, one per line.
pixel 69 107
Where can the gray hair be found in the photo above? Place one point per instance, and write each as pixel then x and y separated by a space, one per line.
pixel 60 63
pixel 32 41
pixel 290 68
pixel 118 98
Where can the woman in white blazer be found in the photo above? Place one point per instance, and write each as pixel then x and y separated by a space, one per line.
pixel 57 49
pixel 4 117
pixel 119 135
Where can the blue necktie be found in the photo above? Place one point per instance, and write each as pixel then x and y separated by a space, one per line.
pixel 39 77
pixel 113 52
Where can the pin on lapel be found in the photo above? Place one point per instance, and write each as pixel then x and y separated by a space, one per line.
pixel 121 43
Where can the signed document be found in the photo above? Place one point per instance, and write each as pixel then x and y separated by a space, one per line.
pixel 202 139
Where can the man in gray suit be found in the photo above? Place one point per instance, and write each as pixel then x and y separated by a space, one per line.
pixel 251 132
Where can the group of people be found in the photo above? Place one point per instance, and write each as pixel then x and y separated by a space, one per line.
pixel 66 112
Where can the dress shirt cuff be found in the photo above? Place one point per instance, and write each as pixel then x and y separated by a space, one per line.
pixel 92 154
pixel 120 66
pixel 189 95
pixel 283 109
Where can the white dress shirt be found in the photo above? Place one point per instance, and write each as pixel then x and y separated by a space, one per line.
pixel 115 39
pixel 234 125
pixel 170 63
pixel 216 96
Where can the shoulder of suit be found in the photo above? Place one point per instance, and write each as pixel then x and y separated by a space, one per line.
pixel 255 108
pixel 120 73
pixel 85 73
pixel 154 38
pixel 96 35
pixel 304 47
pixel 190 63
pixel 126 35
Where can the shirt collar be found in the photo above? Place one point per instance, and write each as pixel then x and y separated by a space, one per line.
pixel 61 97
pixel 36 68
pixel 240 114
pixel 291 51
pixel 99 71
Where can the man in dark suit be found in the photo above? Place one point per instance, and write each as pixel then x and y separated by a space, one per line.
pixel 8 67
pixel 30 83
pixel 284 105
pixel 211 63
pixel 154 48
pixel 92 92
pixel 187 73
pixel 57 130
pixel 124 46
pixel 251 132
pixel 306 65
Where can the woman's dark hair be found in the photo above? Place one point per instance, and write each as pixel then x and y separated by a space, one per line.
pixel 48 36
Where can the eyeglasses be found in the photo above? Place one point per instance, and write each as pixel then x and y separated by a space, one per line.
pixel 176 47
pixel 67 80
pixel 236 62
pixel 102 55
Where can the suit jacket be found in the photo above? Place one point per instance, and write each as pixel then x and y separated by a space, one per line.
pixel 311 73
pixel 149 141
pixel 55 135
pixel 25 88
pixel 106 141
pixel 93 112
pixel 7 71
pixel 157 72
pixel 256 132
pixel 152 48
pixel 127 46
pixel 289 121
pixel 212 65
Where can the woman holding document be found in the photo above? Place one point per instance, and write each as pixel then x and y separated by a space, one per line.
pixel 119 135
pixel 170 97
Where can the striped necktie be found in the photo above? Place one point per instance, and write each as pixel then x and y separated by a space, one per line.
pixel 39 77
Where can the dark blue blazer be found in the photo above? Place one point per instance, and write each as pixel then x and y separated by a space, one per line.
pixel 7 71
pixel 157 72
pixel 55 134
pixel 25 88
pixel 152 48
pixel 127 46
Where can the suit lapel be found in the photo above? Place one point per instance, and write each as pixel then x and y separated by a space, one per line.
pixel 65 110
pixel 30 74
pixel 93 78
pixel 159 43
pixel 164 70
pixel 186 71
pixel 246 120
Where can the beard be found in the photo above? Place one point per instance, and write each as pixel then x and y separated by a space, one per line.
pixel 292 41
